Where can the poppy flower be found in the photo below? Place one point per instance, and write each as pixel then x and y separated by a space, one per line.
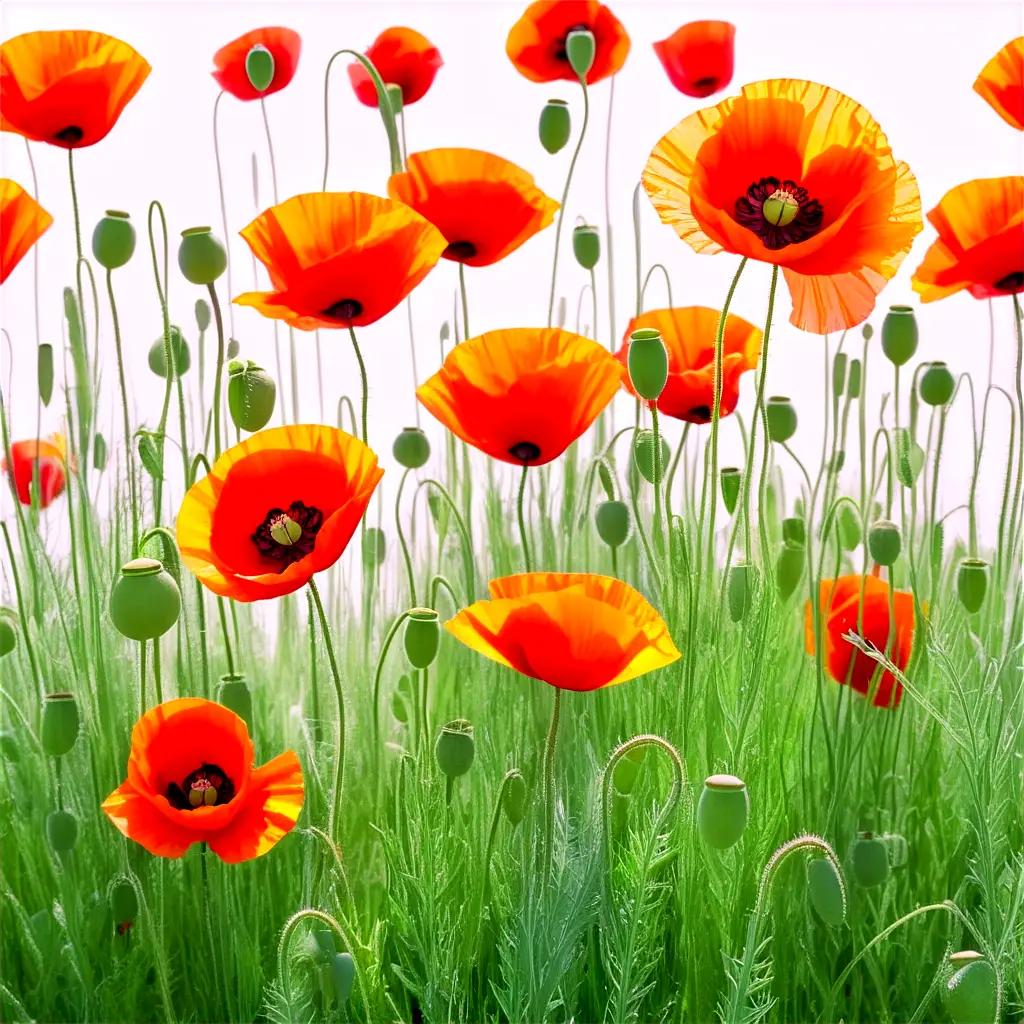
pixel 522 395
pixel 536 43
pixel 1001 83
pixel 402 57
pixel 51 456
pixel 22 222
pixel 795 174
pixel 485 207
pixel 276 509
pixel 698 57
pixel 283 45
pixel 191 779
pixel 339 259
pixel 841 612
pixel 67 88
pixel 689 336
pixel 981 241
pixel 572 630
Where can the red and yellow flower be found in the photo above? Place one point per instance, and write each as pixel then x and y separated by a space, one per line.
pixel 1001 83
pixel 51 456
pixel 402 57
pixel 284 47
pixel 698 57
pixel 22 223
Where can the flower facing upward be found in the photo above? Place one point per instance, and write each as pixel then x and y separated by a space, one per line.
pixel 191 779
pixel 402 57
pixel 339 259
pixel 485 207
pixel 284 47
pixel 536 43
pixel 67 88
pixel 22 222
pixel 575 631
pixel 698 57
pixel 522 395
pixel 689 336
pixel 841 612
pixel 51 456
pixel 981 241
pixel 795 174
pixel 1001 83
pixel 276 509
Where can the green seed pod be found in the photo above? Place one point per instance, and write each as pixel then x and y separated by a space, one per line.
pixel 61 831
pixel 179 353
pixel 612 521
pixel 869 859
pixel 643 455
pixel 99 452
pixel 895 848
pixel 422 637
pixel 839 374
pixel 411 448
pixel 627 768
pixel 884 542
pixel 970 994
pixel 937 384
pixel 455 748
pixel 972 583
pixel 648 363
pixel 555 125
pixel 826 891
pixel 899 334
pixel 586 245
pixel 722 811
pixel 789 569
pixel 145 601
pixel 9 749
pixel 252 395
pixel 259 67
pixel 343 975
pixel 44 372
pixel 742 581
pixel 580 48
pixel 8 635
pixel 604 474
pixel 513 798
pixel 201 257
pixel 867 332
pixel 730 479
pixel 855 379
pixel 202 314
pixel 234 693
pixel 124 904
pixel 849 528
pixel 113 240
pixel 794 531
pixel 781 418
pixel 374 547
pixel 60 723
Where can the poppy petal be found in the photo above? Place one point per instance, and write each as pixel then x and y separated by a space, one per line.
pixel 698 57
pixel 22 223
pixel 284 46
pixel 137 818
pixel 1001 83
pixel 402 57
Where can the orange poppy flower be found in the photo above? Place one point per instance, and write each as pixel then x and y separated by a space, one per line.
pixel 191 779
pixel 1001 83
pixel 698 57
pixel 795 174
pixel 981 241
pixel 536 43
pixel 66 88
pixel 276 509
pixel 402 57
pixel 840 603
pixel 339 259
pixel 689 335
pixel 485 207
pixel 572 630
pixel 284 46
pixel 522 395
pixel 51 455
pixel 22 222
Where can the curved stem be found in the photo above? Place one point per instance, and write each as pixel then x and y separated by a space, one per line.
pixel 363 381
pixel 406 556
pixel 548 773
pixel 523 534
pixel 219 320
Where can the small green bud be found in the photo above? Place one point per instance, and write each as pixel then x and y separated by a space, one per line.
pixel 742 581
pixel 781 418
pixel 648 363
pixel 179 353
pixel 937 384
pixel 343 975
pixel 730 479
pixel 555 125
pixel 513 797
pixel 455 748
pixel 899 334
pixel 612 521
pixel 580 48
pixel 10 751
pixel 839 374
pixel 422 637
pixel 374 547
pixel 884 542
pixel 970 994
pixel 252 395
pixel 99 452
pixel 848 528
pixel 869 859
pixel 867 332
pixel 722 811
pixel 643 455
pixel 826 891
pixel 124 903
pixel 789 569
pixel 113 240
pixel 61 831
pixel 586 245
pixel 60 723
pixel 972 583
pixel 201 257
pixel 233 692
pixel 411 448
pixel 794 531
pixel 8 635
pixel 44 372
pixel 855 379
pixel 202 314
pixel 145 601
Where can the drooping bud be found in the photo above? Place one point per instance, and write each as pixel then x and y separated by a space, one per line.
pixel 455 748
pixel 937 384
pixel 580 49
pixel 234 693
pixel 586 245
pixel 113 240
pixel 555 125
pixel 742 580
pixel 826 891
pixel 422 637
pixel 648 363
pixel 884 542
pixel 513 798
pixel 899 334
pixel 869 859
pixel 201 257
pixel 781 418
pixel 612 521
pixel 61 831
pixel 972 583
pixel 730 480
pixel 252 395
pixel 970 993
pixel 343 976
pixel 179 353
pixel 643 455
pixel 60 723
pixel 722 810
pixel 411 448
pixel 124 902
pixel 259 67
pixel 145 601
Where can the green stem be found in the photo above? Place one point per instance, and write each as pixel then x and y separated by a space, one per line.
pixel 465 302
pixel 363 382
pixel 219 372
pixel 548 772
pixel 523 534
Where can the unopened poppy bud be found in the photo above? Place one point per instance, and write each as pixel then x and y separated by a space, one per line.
pixel 374 546
pixel 742 581
pixel 124 903
pixel 789 569
pixel 643 455
pixel 854 379
pixel 145 601
pixel 730 479
pixel 839 374
pixel 399 708
pixel 580 49
pixel 44 372
pixel 513 797
pixel 867 332
pixel 612 521
pixel 826 891
pixel 972 583
pixel 8 635
pixel 411 448
pixel 899 334
pixel 781 418
pixel 202 314
pixel 896 848
pixel 61 831
pixel 259 67
pixel 794 531
pixel 884 542
pixel 970 993
pixel 937 384
pixel 60 723
pixel 234 693
pixel 179 353
pixel 627 768
pixel 869 859
pixel 648 363
pixel 455 748
pixel 113 240
pixel 555 125
pixel 252 395
pixel 586 245
pixel 99 452
pixel 343 975
pixel 201 257
pixel 722 810
pixel 233 348
pixel 849 528
pixel 422 636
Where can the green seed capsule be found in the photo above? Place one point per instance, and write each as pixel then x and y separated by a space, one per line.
pixel 627 768
pixel 343 975
pixel 849 528
pixel 61 831
pixel 794 531
pixel 643 455
pixel 612 521
pixel 422 637
pixel 124 904
pixel 648 363
pixel 826 891
pixel 970 994
pixel 234 693
pixel 789 569
pixel 781 418
pixel 899 334
pixel 60 723
pixel 455 748
pixel 937 384
pixel 179 353
pixel 555 125
pixel 586 245
pixel 722 811
pixel 972 583
pixel 730 479
pixel 8 635
pixel 580 48
pixel 374 547
pixel 869 859
pixel 742 581
pixel 884 542
pixel 411 448
pixel 113 240
pixel 201 257
pixel 145 601
pixel 252 395
pixel 259 67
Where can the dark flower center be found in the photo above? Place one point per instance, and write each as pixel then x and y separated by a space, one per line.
pixel 345 310
pixel 700 413
pixel 525 451
pixel 705 86
pixel 460 251
pixel 207 786
pixel 779 213
pixel 285 537
pixel 560 51
pixel 71 134
pixel 1011 283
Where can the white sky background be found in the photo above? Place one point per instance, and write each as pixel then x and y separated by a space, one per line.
pixel 911 64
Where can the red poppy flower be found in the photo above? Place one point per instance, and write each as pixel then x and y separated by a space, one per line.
pixel 536 44
pixel 980 246
pixel 402 57
pixel 51 455
pixel 66 88
pixel 1001 83
pixel 698 57
pixel 22 222
pixel 842 612
pixel 689 335
pixel 284 46
pixel 191 779
pixel 276 509
pixel 485 207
